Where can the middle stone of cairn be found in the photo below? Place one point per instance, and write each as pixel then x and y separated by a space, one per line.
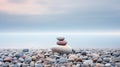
pixel 61 41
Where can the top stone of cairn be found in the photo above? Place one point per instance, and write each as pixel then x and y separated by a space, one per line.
pixel 60 38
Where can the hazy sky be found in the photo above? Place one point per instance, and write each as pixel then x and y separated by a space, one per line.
pixel 97 20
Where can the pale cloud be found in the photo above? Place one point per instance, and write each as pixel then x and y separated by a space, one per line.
pixel 43 7
pixel 115 33
pixel 34 6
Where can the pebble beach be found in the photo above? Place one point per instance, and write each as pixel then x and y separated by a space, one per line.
pixel 48 58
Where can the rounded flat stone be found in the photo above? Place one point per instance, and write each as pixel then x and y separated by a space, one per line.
pixel 62 43
pixel 60 38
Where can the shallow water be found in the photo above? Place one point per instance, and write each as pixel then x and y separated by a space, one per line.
pixel 75 41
